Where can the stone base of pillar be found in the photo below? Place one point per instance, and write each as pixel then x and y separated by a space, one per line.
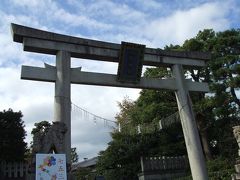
pixel 236 176
pixel 31 176
pixel 70 176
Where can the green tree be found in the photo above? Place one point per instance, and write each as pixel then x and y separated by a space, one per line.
pixel 74 155
pixel 225 75
pixel 219 111
pixel 42 127
pixel 12 135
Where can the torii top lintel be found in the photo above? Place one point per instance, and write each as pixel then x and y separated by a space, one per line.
pixel 35 40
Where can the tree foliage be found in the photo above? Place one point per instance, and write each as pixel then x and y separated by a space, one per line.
pixel 74 155
pixel 41 127
pixel 12 135
pixel 220 110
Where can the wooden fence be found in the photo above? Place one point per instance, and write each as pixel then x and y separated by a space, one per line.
pixel 164 163
pixel 13 170
pixel 163 167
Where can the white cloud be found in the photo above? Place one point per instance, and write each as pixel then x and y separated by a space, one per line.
pixel 31 4
pixel 79 20
pixel 89 137
pixel 185 24
pixel 150 5
pixel 109 12
pixel 11 53
pixel 51 12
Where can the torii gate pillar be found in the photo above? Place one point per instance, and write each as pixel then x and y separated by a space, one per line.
pixel 189 126
pixel 62 100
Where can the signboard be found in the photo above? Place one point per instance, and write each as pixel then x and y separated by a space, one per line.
pixel 51 167
pixel 130 62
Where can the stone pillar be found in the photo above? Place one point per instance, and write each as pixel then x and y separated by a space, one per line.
pixel 236 133
pixel 62 103
pixel 189 126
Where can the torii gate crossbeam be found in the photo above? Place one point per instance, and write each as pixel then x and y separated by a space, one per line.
pixel 65 47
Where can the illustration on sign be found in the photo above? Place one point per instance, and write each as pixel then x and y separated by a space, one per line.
pixel 51 167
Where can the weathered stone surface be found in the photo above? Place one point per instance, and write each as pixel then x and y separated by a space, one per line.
pixel 35 40
pixel 62 99
pixel 102 79
pixel 236 177
pixel 190 132
pixel 237 168
pixel 236 132
pixel 53 139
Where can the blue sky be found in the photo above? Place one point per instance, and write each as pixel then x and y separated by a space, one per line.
pixel 150 22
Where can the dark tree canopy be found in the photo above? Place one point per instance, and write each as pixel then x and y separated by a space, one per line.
pixel 219 111
pixel 42 127
pixel 74 155
pixel 12 135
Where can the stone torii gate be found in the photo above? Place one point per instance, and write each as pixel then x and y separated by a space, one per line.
pixel 64 47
